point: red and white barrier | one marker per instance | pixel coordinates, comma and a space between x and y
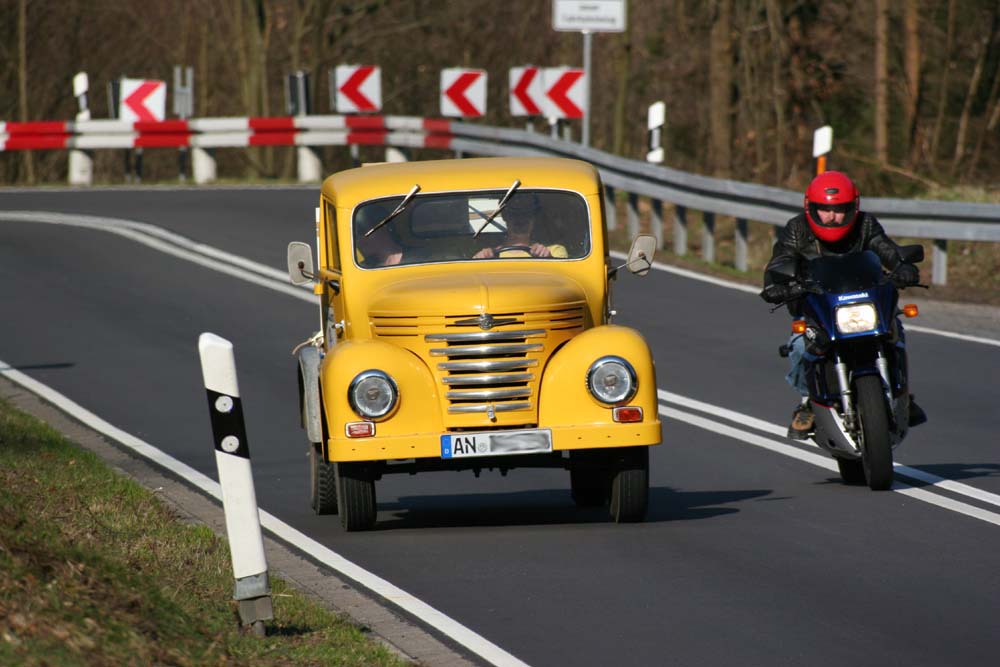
210, 133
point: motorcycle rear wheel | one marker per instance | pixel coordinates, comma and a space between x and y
876, 448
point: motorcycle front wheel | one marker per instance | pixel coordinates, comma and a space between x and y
876, 448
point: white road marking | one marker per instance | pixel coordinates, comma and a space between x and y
670, 399
436, 619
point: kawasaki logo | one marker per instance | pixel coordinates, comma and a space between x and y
851, 297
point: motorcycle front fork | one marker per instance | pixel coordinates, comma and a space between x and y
881, 363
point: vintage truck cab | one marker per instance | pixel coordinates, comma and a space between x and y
466, 325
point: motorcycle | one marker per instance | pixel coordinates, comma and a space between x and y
856, 359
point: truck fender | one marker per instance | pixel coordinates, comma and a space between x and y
309, 400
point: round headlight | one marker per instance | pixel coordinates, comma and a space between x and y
372, 394
611, 380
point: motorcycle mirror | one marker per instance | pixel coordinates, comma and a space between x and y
300, 263
783, 271
911, 254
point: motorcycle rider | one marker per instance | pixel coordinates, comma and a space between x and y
831, 224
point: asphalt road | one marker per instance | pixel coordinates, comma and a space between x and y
748, 556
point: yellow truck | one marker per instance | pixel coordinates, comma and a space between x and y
466, 325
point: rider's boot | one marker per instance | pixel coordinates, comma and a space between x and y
917, 414
802, 421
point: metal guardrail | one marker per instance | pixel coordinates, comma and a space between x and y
928, 219
937, 220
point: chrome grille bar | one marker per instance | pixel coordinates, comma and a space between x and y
485, 335
488, 366
488, 394
486, 407
485, 350
505, 378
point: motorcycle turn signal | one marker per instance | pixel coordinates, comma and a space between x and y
911, 310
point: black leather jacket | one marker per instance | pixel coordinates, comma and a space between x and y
796, 241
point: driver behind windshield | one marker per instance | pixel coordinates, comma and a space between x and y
831, 224
521, 214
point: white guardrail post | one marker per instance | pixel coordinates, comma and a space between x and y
239, 500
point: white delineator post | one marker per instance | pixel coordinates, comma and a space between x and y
81, 163
239, 500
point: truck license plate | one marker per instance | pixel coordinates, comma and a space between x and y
460, 445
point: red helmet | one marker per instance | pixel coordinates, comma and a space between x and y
836, 191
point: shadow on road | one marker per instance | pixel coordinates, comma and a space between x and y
956, 471
38, 367
546, 507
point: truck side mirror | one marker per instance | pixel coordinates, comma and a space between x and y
300, 263
640, 256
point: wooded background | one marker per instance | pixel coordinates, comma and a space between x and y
911, 87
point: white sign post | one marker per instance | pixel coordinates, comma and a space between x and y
81, 164
588, 17
822, 143
656, 118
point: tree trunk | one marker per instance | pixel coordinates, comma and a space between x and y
22, 82
882, 81
911, 29
720, 75
963, 120
991, 102
779, 48
943, 92
621, 97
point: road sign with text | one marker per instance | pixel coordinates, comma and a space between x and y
589, 15
142, 100
359, 88
463, 92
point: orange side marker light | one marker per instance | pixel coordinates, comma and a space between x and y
911, 310
799, 326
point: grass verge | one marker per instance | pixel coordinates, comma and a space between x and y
95, 570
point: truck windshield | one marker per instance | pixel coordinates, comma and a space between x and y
533, 225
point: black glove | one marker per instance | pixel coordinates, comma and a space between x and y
905, 275
779, 293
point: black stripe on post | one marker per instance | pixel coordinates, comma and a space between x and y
228, 428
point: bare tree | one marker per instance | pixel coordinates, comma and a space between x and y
882, 81
911, 30
943, 86
720, 80
22, 80
779, 46
981, 49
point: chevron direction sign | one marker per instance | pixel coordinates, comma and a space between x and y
142, 100
463, 92
359, 88
526, 96
565, 92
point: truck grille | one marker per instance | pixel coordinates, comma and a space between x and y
488, 377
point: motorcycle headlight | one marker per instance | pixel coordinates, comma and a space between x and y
611, 380
856, 318
372, 394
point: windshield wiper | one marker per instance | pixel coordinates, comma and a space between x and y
503, 202
399, 209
